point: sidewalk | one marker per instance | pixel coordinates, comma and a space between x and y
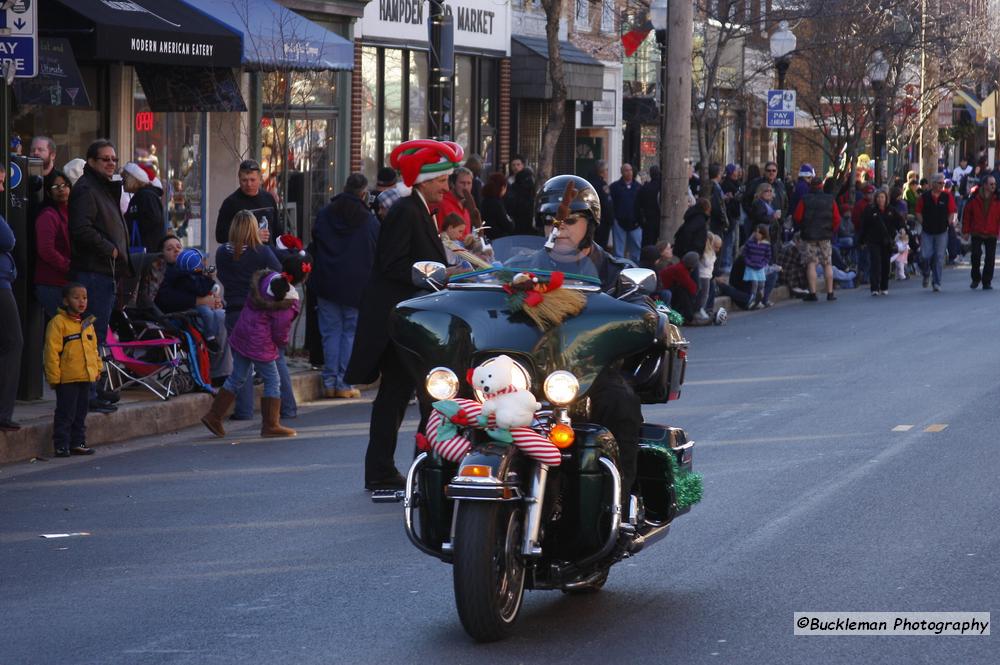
140, 413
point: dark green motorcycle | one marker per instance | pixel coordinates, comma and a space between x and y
505, 520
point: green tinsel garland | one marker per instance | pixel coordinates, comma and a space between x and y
687, 484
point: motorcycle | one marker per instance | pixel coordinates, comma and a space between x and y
506, 521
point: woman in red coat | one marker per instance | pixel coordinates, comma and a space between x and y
52, 242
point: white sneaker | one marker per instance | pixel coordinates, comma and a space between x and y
721, 316
701, 315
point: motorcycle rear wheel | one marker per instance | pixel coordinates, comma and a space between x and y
488, 569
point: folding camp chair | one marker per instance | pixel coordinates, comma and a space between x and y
152, 363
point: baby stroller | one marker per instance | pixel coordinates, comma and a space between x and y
142, 328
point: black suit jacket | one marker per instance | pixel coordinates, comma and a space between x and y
408, 234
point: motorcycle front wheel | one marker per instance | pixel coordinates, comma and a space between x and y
488, 568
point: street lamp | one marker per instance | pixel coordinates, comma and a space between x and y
878, 71
658, 17
782, 46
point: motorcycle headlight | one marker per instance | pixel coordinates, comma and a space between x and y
442, 383
561, 387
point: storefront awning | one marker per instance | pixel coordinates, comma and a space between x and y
276, 38
190, 89
584, 74
58, 83
164, 32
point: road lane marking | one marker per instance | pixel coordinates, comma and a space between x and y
936, 427
756, 379
902, 428
783, 439
195, 474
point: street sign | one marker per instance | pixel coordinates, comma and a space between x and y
781, 109
19, 37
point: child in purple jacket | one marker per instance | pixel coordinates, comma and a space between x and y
757, 254
263, 328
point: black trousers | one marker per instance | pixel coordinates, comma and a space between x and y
11, 345
986, 277
879, 256
69, 427
615, 405
395, 391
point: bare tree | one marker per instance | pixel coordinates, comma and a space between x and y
557, 104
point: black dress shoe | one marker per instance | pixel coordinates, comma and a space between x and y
396, 482
63, 452
987, 287
82, 449
109, 396
9, 426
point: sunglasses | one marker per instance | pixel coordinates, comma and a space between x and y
770, 170
59, 187
108, 159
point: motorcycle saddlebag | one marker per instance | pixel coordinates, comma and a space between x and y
662, 449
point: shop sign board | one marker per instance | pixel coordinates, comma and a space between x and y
19, 37
479, 26
781, 109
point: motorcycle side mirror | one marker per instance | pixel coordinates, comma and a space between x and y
429, 274
641, 280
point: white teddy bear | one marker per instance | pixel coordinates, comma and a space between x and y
510, 406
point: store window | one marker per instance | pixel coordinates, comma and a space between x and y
173, 145
464, 82
298, 143
394, 104
72, 128
418, 95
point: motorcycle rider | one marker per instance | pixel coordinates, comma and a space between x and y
614, 403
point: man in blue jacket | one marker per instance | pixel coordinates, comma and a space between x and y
343, 249
626, 231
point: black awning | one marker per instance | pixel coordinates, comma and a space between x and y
58, 83
190, 89
165, 32
583, 73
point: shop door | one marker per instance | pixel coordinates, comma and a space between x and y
302, 181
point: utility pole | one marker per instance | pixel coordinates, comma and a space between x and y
676, 140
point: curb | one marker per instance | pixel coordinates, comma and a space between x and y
135, 419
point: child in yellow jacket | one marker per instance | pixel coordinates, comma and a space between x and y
72, 364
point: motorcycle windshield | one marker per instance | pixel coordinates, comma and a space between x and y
472, 319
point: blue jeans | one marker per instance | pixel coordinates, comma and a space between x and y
242, 367
933, 249
50, 298
210, 320
728, 252
100, 300
244, 397
627, 243
337, 324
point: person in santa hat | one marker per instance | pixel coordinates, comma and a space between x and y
408, 234
144, 216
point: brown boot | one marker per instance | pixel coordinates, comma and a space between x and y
270, 409
220, 405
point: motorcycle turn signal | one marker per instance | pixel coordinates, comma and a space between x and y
562, 436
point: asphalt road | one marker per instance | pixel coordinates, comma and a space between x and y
243, 550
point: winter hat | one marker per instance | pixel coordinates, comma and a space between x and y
290, 243
189, 260
149, 170
730, 169
137, 172
386, 177
690, 260
74, 169
425, 159
806, 171
868, 189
